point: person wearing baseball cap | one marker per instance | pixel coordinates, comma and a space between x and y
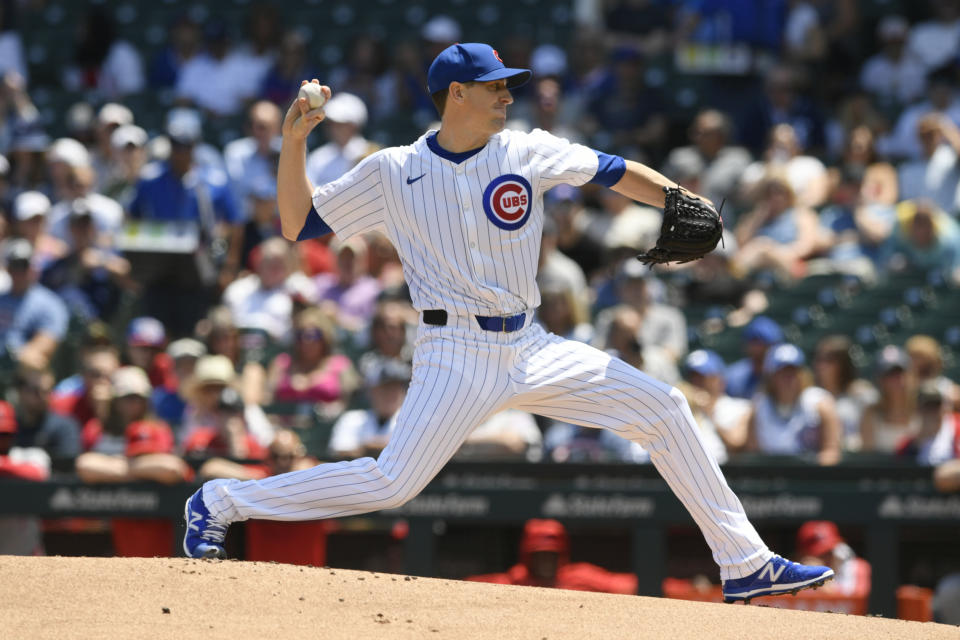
744, 376
545, 562
892, 416
790, 416
366, 431
819, 541
346, 117
722, 419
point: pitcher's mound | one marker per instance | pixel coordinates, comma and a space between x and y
161, 598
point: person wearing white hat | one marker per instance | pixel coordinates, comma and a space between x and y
129, 144
346, 117
107, 214
64, 154
110, 117
31, 210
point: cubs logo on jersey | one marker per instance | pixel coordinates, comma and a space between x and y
507, 201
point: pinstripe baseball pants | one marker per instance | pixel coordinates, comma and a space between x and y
461, 376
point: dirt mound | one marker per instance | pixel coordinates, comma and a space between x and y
162, 598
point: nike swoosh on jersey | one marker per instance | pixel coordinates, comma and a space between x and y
412, 180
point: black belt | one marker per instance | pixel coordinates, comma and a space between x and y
438, 317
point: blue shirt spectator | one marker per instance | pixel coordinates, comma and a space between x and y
744, 376
30, 315
163, 194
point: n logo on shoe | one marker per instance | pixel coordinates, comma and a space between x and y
774, 573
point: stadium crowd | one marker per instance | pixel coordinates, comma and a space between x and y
154, 324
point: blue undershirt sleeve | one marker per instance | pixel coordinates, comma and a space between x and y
313, 226
609, 170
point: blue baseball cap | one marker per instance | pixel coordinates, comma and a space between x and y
472, 62
764, 329
706, 362
783, 355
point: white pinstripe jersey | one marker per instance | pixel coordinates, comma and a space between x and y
468, 234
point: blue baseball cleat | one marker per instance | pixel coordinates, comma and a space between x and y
204, 536
777, 577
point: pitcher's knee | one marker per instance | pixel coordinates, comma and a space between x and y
397, 494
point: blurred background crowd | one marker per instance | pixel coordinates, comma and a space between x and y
151, 313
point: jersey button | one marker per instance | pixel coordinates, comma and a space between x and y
460, 170
473, 245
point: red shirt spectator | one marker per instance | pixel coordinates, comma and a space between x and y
545, 562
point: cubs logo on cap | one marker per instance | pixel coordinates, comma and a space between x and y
507, 201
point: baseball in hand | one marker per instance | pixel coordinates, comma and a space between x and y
313, 94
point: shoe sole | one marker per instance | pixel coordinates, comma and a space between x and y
792, 589
213, 554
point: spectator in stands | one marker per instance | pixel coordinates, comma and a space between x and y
33, 320
941, 97
214, 422
926, 364
946, 600
783, 103
578, 236
894, 74
88, 278
312, 372
861, 212
5, 208
509, 434
145, 341
778, 234
722, 419
86, 396
30, 211
106, 213
286, 453
892, 416
346, 116
622, 112
12, 56
110, 117
40, 427
363, 73
549, 108
20, 535
923, 238
390, 330
262, 30
64, 155
101, 61
182, 45
221, 337
566, 442
253, 159
133, 446
263, 300
935, 42
563, 314
936, 174
281, 82
365, 432
791, 417
184, 353
129, 403
806, 174
352, 289
22, 137
661, 324
834, 371
545, 562
176, 190
711, 156
221, 78
623, 334
820, 541
936, 438
129, 157
558, 271
744, 376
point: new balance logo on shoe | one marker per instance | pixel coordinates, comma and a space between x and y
772, 571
